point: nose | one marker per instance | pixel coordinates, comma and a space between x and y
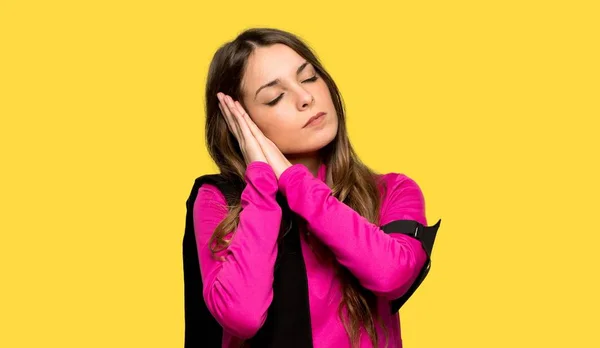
306, 100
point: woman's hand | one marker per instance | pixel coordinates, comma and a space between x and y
251, 150
254, 144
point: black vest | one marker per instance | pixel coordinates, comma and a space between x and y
288, 319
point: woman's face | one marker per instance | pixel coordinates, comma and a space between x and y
280, 93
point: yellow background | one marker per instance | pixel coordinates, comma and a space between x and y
491, 107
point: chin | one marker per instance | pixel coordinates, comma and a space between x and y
312, 143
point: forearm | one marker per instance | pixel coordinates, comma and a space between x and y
238, 286
385, 264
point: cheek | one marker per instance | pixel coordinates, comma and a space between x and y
282, 131
263, 118
324, 90
275, 125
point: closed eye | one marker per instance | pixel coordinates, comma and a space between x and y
276, 100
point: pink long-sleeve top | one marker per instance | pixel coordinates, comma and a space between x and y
238, 289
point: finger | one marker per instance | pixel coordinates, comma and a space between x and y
268, 147
227, 120
258, 134
234, 123
227, 104
240, 118
226, 114
231, 123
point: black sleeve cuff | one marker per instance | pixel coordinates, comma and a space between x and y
426, 235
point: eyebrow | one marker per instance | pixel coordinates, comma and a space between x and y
276, 81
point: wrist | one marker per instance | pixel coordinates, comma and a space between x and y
259, 168
281, 170
287, 177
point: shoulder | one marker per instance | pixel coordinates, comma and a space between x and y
210, 191
209, 200
402, 198
398, 183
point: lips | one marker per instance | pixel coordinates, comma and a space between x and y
313, 118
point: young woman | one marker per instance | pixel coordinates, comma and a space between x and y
275, 122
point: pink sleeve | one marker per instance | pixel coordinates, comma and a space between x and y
386, 264
238, 290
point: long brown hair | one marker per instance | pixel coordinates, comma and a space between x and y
352, 181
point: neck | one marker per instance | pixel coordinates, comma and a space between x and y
311, 161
